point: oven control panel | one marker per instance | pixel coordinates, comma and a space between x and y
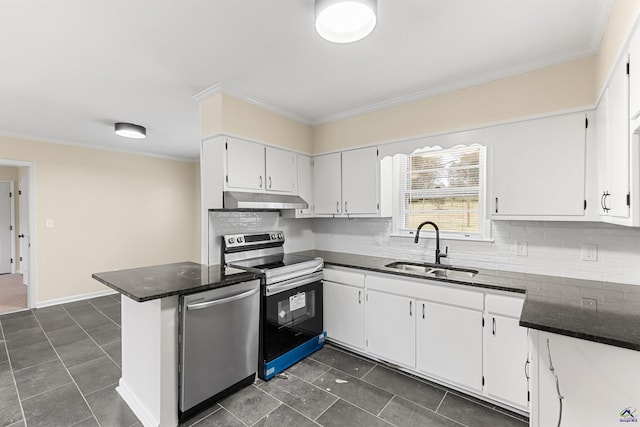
252, 239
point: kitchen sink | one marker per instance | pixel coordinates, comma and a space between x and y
433, 270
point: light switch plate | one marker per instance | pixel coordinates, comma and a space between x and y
49, 223
521, 248
589, 252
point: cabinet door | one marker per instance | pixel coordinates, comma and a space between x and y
327, 178
618, 143
391, 328
634, 77
360, 172
602, 135
344, 314
305, 183
505, 355
245, 165
538, 166
449, 341
281, 170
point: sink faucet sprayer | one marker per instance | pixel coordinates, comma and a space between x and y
438, 254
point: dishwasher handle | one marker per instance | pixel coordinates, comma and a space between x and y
212, 303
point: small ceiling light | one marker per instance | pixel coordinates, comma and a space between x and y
345, 21
129, 130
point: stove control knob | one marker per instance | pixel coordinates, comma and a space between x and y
280, 236
240, 239
273, 237
231, 240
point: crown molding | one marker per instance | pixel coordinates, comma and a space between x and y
220, 88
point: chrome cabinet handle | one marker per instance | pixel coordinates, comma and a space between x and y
423, 310
494, 327
410, 308
269, 182
496, 205
345, 206
260, 181
526, 369
338, 207
359, 297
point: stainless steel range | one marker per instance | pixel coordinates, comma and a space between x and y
291, 324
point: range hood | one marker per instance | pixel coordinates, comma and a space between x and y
241, 200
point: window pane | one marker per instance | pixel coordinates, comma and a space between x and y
459, 214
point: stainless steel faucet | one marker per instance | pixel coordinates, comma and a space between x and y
438, 254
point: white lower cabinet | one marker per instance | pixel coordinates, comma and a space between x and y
449, 343
391, 328
344, 314
505, 364
464, 337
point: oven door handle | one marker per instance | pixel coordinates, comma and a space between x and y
219, 301
293, 283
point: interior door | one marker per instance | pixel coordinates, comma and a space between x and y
24, 232
5, 227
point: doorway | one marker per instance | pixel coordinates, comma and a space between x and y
17, 284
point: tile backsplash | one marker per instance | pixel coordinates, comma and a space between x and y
553, 248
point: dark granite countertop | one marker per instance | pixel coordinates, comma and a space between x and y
603, 312
159, 281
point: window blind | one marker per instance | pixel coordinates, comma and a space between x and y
442, 186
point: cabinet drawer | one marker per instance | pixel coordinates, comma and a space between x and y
344, 275
504, 305
445, 293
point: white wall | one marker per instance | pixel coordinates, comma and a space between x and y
554, 248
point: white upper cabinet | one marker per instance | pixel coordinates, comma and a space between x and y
253, 167
245, 165
634, 77
538, 168
615, 194
360, 181
347, 183
327, 184
281, 171
305, 183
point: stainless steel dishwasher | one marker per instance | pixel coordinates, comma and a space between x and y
218, 344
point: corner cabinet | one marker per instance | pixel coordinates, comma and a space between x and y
347, 183
538, 168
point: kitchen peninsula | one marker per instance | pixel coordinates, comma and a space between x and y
149, 382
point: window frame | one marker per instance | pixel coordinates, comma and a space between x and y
397, 213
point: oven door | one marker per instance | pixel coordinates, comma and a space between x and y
292, 314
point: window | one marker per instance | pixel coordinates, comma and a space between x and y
443, 186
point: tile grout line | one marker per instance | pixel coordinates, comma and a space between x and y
90, 337
15, 384
66, 368
441, 401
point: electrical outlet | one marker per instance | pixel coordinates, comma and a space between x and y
521, 248
589, 252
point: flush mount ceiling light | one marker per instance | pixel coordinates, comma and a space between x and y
345, 21
129, 130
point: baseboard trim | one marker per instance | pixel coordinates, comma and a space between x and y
74, 298
138, 408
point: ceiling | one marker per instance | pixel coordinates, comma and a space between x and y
70, 69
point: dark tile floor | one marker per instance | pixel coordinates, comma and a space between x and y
59, 366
